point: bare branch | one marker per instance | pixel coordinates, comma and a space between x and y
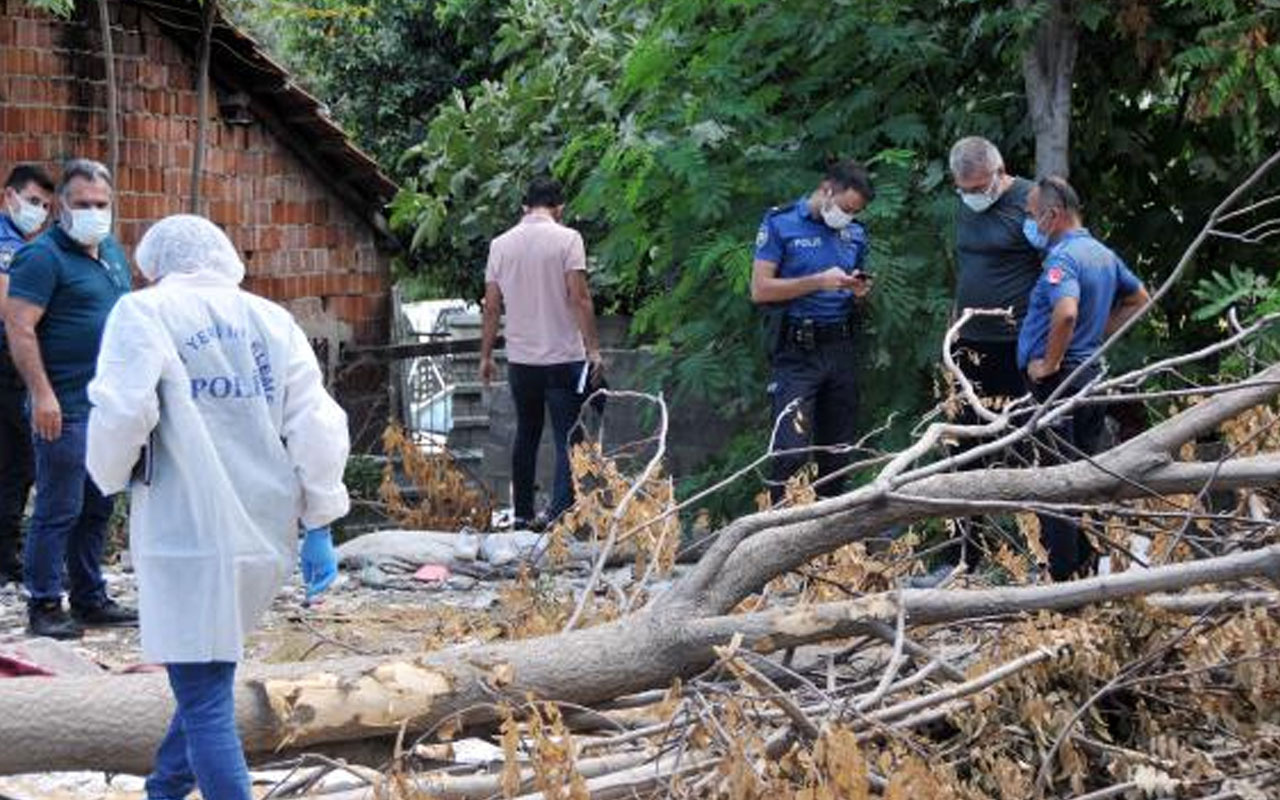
948, 359
620, 511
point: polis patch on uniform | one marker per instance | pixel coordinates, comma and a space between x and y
1055, 275
762, 238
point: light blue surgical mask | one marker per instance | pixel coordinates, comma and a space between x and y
1037, 239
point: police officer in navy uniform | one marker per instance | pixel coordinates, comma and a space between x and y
810, 274
1084, 293
28, 191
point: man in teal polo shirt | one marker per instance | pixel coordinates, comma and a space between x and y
62, 286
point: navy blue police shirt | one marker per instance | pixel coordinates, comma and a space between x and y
77, 292
11, 241
801, 245
1082, 267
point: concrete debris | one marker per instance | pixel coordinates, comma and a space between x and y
20, 656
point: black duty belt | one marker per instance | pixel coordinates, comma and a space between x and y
808, 332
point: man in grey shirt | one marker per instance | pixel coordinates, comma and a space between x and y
998, 259
997, 263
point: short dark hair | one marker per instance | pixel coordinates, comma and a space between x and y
1055, 192
544, 192
24, 174
849, 174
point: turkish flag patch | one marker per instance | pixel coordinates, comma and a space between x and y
1055, 275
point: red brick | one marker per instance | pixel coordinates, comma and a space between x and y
271, 239
371, 306
26, 33
297, 238
344, 307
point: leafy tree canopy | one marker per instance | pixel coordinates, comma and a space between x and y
675, 125
383, 66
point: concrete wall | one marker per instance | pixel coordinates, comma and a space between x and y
485, 421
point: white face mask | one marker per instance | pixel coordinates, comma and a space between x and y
981, 201
978, 201
88, 226
835, 216
29, 217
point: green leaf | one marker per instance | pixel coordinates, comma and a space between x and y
63, 8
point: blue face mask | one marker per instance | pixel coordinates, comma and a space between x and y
1037, 239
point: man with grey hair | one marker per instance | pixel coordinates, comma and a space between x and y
62, 286
997, 262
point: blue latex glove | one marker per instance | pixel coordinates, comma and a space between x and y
319, 561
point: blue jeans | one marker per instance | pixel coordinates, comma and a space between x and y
537, 389
202, 746
68, 524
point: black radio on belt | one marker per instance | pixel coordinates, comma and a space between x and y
807, 334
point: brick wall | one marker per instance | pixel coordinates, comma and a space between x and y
302, 246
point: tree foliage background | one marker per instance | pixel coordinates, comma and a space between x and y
382, 66
674, 125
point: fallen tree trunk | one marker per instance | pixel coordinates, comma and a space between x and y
114, 723
314, 703
489, 784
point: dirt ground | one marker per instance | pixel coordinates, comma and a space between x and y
349, 618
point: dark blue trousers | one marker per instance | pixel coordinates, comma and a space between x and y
1084, 430
823, 379
538, 389
16, 467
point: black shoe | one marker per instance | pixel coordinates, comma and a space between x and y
48, 619
108, 615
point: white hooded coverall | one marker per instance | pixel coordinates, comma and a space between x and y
209, 405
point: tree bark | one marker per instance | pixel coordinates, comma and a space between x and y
752, 550
1048, 67
208, 16
114, 723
